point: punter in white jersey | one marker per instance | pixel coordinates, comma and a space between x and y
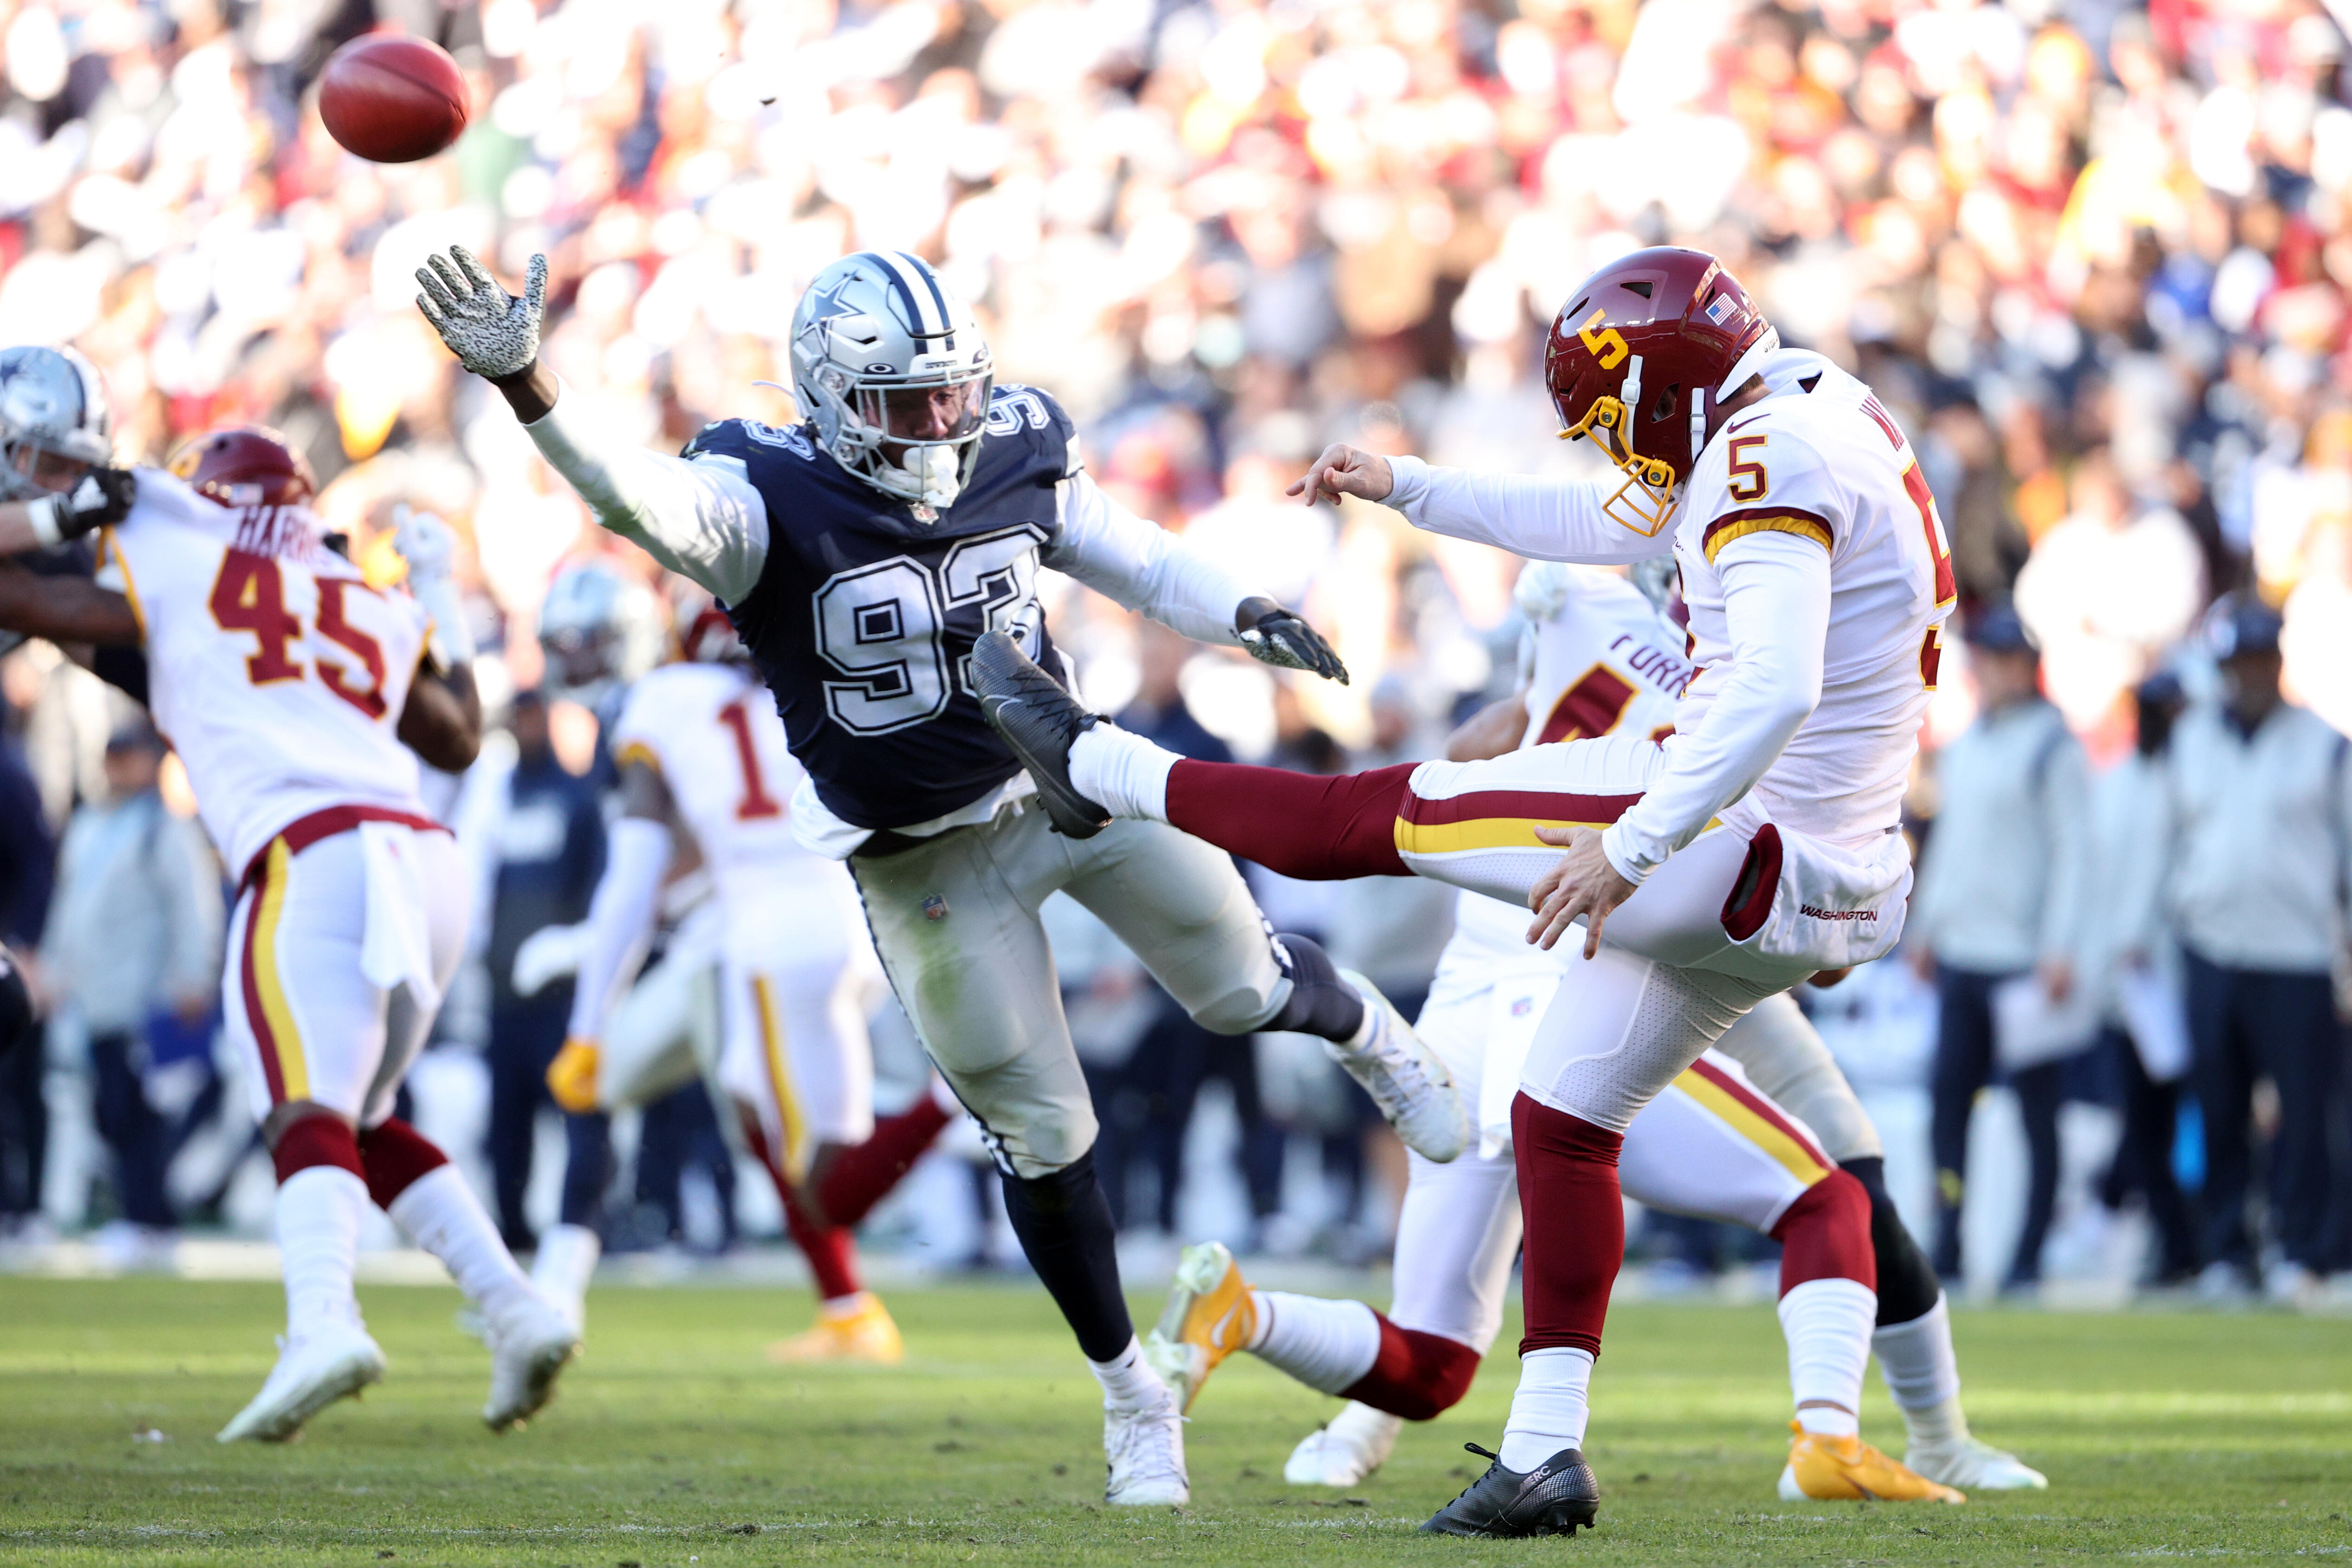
1760, 844
1739, 1137
704, 769
300, 700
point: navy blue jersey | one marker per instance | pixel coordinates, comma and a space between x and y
863, 620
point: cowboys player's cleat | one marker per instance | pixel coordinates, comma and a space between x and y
860, 1332
1209, 1316
1973, 1464
329, 1363
1559, 1497
530, 1342
1404, 1078
1038, 721
1850, 1469
1144, 1451
1357, 1443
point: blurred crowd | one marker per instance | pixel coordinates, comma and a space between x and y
2094, 258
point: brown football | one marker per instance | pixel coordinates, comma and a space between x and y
391, 99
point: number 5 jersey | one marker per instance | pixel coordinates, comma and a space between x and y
275, 671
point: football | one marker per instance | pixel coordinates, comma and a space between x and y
391, 99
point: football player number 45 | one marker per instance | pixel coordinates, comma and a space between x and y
249, 595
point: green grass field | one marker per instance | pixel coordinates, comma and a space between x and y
674, 1443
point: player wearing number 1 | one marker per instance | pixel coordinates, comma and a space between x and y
862, 557
299, 700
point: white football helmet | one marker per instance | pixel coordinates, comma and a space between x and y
599, 630
892, 370
53, 423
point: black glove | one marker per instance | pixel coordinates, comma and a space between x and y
1274, 635
103, 497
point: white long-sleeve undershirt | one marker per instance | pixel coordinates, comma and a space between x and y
704, 519
620, 920
1542, 518
1776, 590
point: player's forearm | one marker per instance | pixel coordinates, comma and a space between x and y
693, 518
65, 609
1543, 519
620, 920
442, 719
1142, 566
1776, 600
1494, 730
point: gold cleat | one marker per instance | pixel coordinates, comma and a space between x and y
863, 1333
1847, 1469
1209, 1316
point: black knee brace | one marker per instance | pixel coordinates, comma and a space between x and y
1907, 1287
1320, 1002
1064, 1225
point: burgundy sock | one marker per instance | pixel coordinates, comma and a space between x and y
395, 1155
318, 1140
831, 1255
1576, 1225
1418, 1375
856, 1178
1314, 826
1825, 1235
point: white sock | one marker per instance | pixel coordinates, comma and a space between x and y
1551, 1408
1128, 1381
1827, 1324
1326, 1345
440, 1212
319, 1208
1127, 773
1924, 1376
566, 1262
849, 1306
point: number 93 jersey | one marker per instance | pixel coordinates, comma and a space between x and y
275, 671
866, 611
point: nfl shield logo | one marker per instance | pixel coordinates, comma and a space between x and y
935, 908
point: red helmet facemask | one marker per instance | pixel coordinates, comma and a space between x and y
1641, 359
248, 465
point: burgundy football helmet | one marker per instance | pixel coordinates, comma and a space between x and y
249, 465
1641, 360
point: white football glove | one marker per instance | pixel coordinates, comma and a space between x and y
491, 333
1541, 590
547, 955
429, 545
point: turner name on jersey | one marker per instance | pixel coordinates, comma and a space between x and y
864, 615
278, 674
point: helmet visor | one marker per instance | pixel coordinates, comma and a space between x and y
46, 468
946, 411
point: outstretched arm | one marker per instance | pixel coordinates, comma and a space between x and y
1543, 519
66, 609
1144, 567
620, 923
702, 520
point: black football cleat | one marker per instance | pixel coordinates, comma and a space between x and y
1038, 719
1559, 1497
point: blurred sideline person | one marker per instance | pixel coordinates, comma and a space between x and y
301, 701
704, 772
2261, 797
2001, 896
27, 871
134, 933
1598, 657
862, 557
1759, 844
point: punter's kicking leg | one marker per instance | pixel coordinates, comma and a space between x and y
328, 1036
1784, 1057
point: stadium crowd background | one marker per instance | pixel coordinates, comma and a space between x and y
2093, 257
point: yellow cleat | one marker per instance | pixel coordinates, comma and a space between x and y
572, 1076
1850, 1469
1209, 1315
861, 1331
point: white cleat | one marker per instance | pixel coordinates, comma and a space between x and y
530, 1343
1357, 1442
1974, 1466
1145, 1450
1405, 1080
313, 1372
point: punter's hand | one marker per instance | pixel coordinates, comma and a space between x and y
1274, 635
102, 499
1343, 470
1583, 885
492, 334
572, 1076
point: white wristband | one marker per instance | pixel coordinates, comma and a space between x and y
452, 636
42, 514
